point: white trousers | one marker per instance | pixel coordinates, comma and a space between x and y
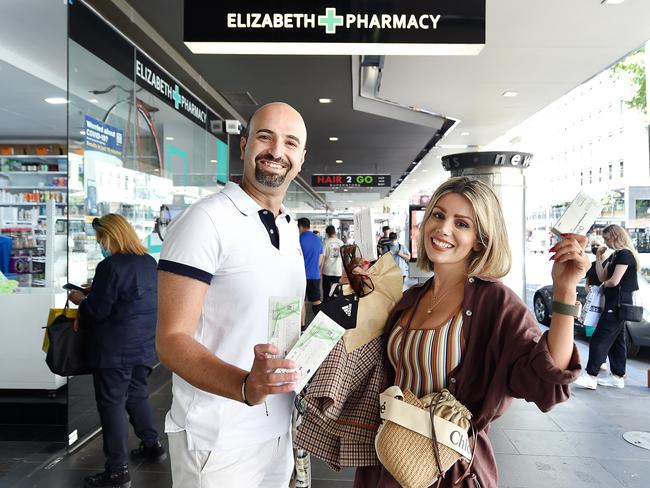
266, 465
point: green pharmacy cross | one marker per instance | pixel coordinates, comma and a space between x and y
330, 20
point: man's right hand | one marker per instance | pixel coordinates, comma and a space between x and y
263, 381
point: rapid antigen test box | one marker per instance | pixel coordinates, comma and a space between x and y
579, 216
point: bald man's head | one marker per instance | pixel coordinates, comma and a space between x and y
273, 148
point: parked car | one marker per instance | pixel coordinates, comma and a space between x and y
637, 334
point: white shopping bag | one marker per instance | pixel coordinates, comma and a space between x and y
593, 308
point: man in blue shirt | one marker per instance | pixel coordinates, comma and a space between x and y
312, 253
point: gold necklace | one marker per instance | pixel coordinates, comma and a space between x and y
435, 300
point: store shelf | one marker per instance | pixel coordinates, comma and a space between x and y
33, 156
34, 173
35, 204
75, 218
49, 188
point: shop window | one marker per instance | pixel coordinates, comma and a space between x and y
642, 209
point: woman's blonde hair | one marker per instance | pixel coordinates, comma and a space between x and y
117, 236
493, 259
620, 239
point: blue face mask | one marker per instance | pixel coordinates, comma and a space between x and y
104, 251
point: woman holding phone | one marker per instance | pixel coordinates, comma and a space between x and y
120, 313
618, 274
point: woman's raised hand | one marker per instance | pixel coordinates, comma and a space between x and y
570, 261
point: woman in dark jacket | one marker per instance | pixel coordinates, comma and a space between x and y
120, 312
465, 331
619, 276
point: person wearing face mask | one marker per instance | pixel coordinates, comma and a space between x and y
618, 274
465, 331
120, 314
597, 244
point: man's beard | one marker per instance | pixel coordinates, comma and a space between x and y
270, 180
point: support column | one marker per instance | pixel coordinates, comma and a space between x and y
504, 172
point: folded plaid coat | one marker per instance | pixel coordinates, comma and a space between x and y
341, 406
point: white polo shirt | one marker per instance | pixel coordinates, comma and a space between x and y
222, 241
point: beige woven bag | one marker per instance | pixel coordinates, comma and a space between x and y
420, 439
405, 442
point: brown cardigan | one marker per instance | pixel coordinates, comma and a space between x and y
506, 356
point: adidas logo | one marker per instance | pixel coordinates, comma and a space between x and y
347, 309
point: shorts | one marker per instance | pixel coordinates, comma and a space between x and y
312, 292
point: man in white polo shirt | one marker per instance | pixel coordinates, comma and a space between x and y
229, 423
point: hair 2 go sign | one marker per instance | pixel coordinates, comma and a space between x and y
349, 181
346, 27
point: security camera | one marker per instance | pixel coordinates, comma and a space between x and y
232, 126
225, 126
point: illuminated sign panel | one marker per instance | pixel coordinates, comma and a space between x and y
349, 181
168, 90
337, 27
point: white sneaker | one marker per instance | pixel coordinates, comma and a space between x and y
612, 380
587, 381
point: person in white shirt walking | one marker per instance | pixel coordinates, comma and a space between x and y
332, 267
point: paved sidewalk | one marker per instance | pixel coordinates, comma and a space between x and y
577, 444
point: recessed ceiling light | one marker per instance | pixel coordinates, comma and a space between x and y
213, 160
56, 100
509, 94
324, 100
425, 170
82, 132
338, 161
93, 100
345, 189
169, 138
464, 133
414, 162
334, 139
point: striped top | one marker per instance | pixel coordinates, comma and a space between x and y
429, 355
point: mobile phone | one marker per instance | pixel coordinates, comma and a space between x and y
71, 287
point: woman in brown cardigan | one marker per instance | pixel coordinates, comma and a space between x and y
469, 333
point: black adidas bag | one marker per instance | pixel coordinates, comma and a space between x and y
342, 309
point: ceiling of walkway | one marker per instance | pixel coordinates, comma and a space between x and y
539, 48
